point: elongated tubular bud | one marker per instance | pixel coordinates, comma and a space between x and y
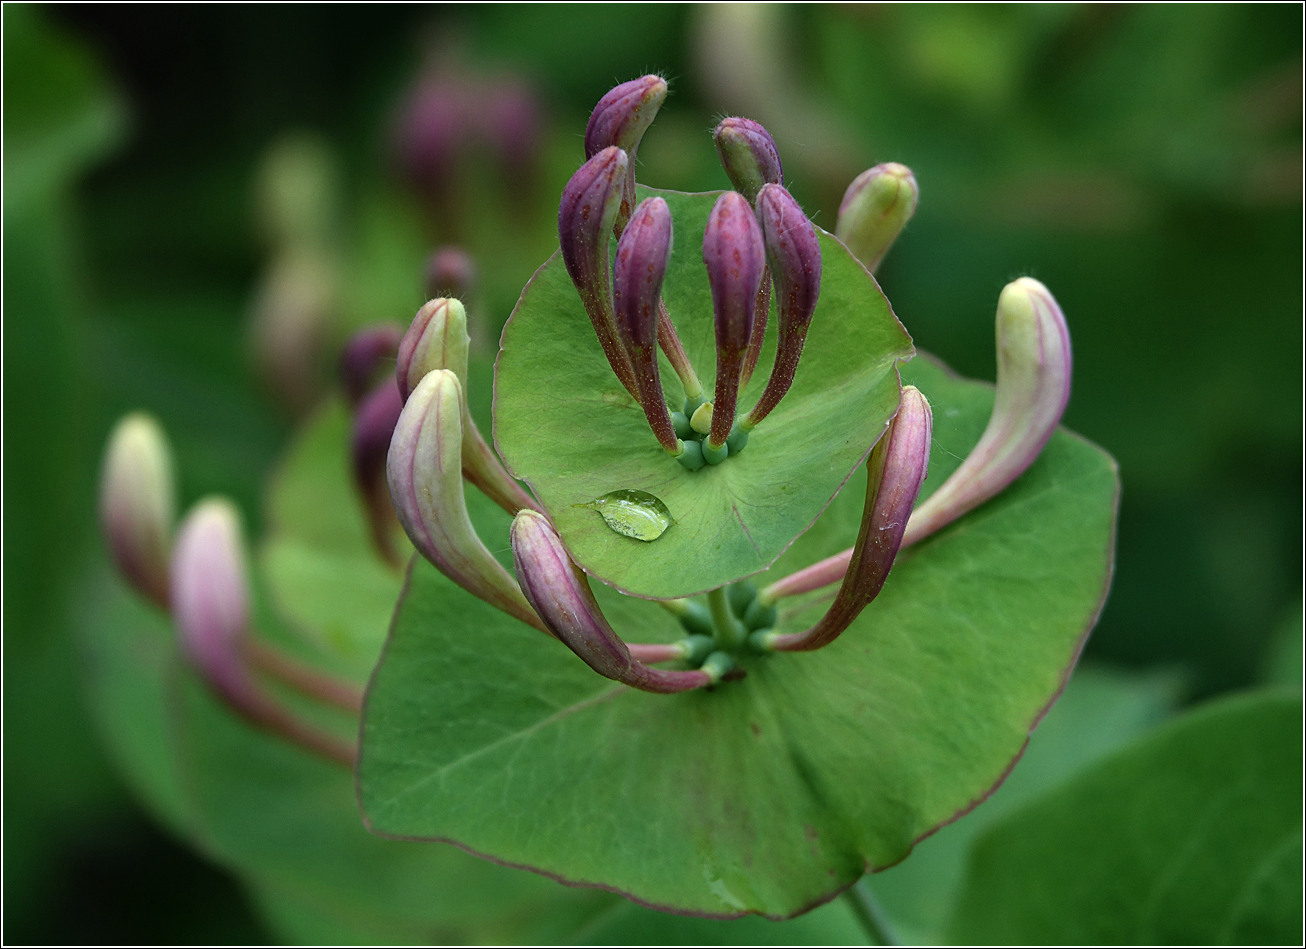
793, 255
373, 426
364, 354
640, 266
895, 471
450, 272
210, 605
424, 470
749, 156
875, 209
437, 339
761, 313
1034, 368
669, 340
561, 594
621, 118
734, 255
586, 215
138, 503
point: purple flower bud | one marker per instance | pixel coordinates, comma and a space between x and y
437, 339
433, 127
734, 256
621, 118
363, 354
211, 607
424, 470
749, 156
512, 119
450, 272
895, 471
374, 424
793, 256
210, 599
1034, 366
137, 502
641, 264
560, 593
875, 209
589, 207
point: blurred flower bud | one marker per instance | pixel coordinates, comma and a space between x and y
364, 354
875, 209
297, 191
560, 593
137, 503
749, 156
424, 470
450, 272
1034, 366
734, 255
374, 424
290, 322
437, 339
793, 255
621, 118
589, 207
210, 599
641, 263
433, 128
512, 119
895, 471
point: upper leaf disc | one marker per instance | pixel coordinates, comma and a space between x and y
564, 424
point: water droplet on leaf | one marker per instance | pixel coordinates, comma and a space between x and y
632, 513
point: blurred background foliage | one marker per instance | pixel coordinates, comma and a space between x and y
1143, 161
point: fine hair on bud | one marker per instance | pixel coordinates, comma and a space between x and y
748, 155
450, 272
621, 118
734, 256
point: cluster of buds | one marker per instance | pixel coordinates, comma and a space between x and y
200, 578
757, 237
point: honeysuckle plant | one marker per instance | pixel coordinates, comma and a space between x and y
718, 608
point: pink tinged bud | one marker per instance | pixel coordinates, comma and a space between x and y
513, 122
364, 354
875, 209
374, 424
641, 264
621, 118
734, 255
211, 607
749, 156
560, 593
450, 272
433, 128
589, 207
1034, 367
137, 503
210, 600
895, 471
793, 255
424, 470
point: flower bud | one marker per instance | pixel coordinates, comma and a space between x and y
875, 209
433, 128
137, 503
621, 118
290, 321
560, 593
895, 471
450, 272
373, 426
424, 470
437, 339
363, 355
793, 255
641, 263
589, 207
210, 599
749, 156
734, 256
513, 123
1034, 366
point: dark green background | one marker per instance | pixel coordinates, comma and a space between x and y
1144, 162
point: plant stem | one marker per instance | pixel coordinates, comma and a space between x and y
871, 914
729, 631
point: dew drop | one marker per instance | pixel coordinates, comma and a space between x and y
632, 513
